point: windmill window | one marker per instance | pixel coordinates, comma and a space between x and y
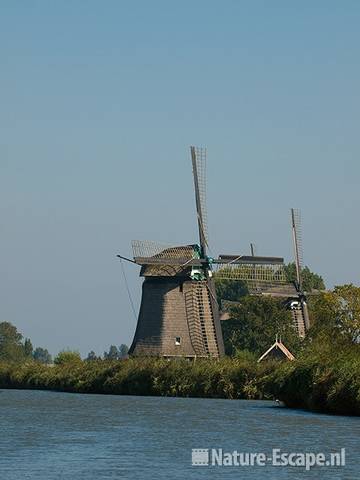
177, 341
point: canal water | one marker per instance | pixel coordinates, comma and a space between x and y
50, 435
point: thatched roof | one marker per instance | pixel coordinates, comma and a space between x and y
185, 252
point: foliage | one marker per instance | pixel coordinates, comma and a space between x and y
92, 356
28, 348
11, 348
232, 290
123, 351
245, 356
336, 313
348, 298
325, 377
67, 357
254, 324
310, 280
115, 353
42, 355
318, 379
255, 321
112, 354
227, 378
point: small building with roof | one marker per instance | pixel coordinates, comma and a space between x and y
277, 351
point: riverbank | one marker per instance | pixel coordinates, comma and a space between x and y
329, 382
227, 378
317, 384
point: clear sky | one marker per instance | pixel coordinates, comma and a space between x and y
99, 102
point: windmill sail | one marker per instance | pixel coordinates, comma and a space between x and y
300, 313
159, 253
257, 272
198, 159
297, 240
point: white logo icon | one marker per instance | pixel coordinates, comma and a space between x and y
200, 456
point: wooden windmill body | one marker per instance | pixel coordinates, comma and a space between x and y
179, 314
177, 318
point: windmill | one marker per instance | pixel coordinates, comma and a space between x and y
293, 291
179, 313
298, 306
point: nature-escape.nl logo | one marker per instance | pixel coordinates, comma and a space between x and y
277, 458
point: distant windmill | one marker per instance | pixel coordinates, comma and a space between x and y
299, 307
293, 292
179, 314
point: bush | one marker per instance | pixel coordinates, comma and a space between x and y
66, 357
317, 380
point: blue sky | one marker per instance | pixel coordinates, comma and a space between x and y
99, 104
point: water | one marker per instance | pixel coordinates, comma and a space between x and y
49, 435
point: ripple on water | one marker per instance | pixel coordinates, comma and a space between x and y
50, 435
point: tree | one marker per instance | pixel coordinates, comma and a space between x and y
349, 311
230, 290
310, 280
28, 348
11, 348
123, 351
323, 310
254, 324
337, 313
112, 354
41, 355
92, 356
67, 356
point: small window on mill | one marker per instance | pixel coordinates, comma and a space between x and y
177, 341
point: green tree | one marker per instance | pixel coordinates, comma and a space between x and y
323, 310
254, 324
123, 351
28, 348
336, 314
112, 354
42, 355
349, 310
66, 357
230, 290
11, 348
310, 280
92, 356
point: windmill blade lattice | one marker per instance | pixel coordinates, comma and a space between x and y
198, 156
299, 239
147, 248
255, 276
157, 251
